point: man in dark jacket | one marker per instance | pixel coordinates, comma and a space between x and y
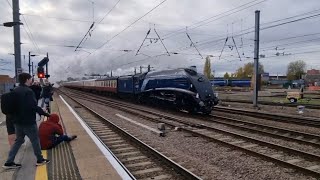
25, 122
46, 94
36, 88
51, 133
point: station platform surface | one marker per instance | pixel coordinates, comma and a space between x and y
79, 159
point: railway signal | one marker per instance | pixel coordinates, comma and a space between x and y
40, 71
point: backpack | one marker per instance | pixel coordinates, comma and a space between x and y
9, 103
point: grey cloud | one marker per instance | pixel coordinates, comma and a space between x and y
169, 17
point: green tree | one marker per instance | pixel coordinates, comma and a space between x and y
296, 69
226, 75
207, 68
247, 70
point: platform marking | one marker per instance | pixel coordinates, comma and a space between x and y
41, 171
141, 125
105, 151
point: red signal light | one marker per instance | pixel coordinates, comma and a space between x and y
40, 75
40, 72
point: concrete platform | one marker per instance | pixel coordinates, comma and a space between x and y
79, 159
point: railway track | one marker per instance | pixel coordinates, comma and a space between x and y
139, 159
302, 161
276, 132
306, 121
310, 106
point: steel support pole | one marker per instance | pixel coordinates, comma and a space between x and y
29, 64
47, 71
16, 37
32, 68
256, 58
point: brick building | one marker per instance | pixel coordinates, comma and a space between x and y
313, 72
6, 83
313, 77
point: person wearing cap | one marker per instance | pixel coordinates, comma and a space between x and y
51, 133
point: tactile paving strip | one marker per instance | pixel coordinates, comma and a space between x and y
63, 164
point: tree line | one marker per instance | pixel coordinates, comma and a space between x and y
295, 70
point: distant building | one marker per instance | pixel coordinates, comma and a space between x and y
312, 77
6, 83
278, 77
313, 72
265, 77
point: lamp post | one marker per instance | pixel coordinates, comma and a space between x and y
16, 35
11, 24
29, 64
32, 69
16, 24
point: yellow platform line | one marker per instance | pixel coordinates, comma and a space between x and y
41, 172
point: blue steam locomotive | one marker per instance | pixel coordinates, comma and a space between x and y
183, 88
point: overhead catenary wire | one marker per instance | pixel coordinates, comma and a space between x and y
128, 26
292, 43
58, 18
84, 36
234, 42
143, 41
161, 42
264, 28
124, 29
99, 22
9, 4
194, 45
292, 37
216, 17
250, 30
31, 35
292, 21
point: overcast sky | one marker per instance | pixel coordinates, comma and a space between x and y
53, 25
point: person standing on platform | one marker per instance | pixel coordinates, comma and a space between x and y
46, 93
10, 127
51, 133
36, 88
25, 122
